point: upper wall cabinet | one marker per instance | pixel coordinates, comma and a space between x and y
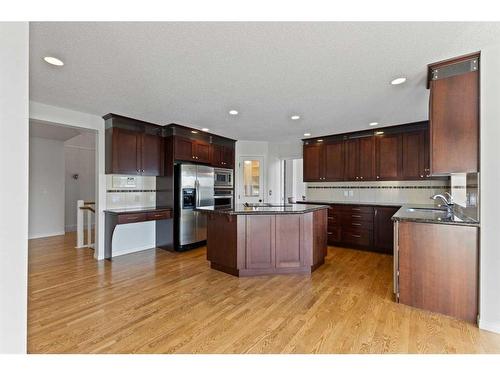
454, 115
222, 156
191, 150
133, 147
395, 153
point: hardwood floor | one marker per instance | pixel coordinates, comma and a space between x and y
161, 302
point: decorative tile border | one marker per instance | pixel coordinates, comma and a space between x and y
130, 191
380, 187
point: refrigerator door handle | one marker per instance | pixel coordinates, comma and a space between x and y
197, 189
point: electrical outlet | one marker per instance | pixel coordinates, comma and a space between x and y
346, 193
351, 193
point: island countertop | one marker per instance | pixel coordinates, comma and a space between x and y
264, 209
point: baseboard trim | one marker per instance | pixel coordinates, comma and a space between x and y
43, 235
489, 326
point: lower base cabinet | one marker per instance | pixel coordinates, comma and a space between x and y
361, 226
436, 268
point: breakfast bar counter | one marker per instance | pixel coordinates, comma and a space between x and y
266, 239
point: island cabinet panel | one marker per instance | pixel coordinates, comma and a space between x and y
222, 239
289, 248
313, 160
260, 241
334, 161
454, 116
388, 156
438, 268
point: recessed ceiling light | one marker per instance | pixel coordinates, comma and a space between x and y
205, 129
307, 134
295, 117
194, 131
373, 123
379, 133
398, 81
233, 112
53, 61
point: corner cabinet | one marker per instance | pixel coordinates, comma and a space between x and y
133, 152
454, 115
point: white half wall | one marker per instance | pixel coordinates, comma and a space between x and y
46, 188
63, 116
489, 307
14, 72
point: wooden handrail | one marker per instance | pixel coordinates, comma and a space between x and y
87, 208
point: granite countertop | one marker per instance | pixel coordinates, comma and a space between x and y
130, 210
240, 209
425, 214
388, 204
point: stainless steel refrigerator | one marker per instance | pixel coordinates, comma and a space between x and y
194, 187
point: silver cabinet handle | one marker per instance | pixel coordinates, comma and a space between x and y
355, 235
329, 232
356, 224
355, 215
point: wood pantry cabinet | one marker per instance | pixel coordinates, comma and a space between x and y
132, 152
454, 115
395, 153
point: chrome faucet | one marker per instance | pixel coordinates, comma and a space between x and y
448, 202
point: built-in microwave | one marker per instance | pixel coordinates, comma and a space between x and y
223, 177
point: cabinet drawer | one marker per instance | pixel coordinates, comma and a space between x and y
131, 218
357, 217
355, 209
159, 215
357, 237
357, 225
334, 234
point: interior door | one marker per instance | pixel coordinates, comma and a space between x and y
251, 179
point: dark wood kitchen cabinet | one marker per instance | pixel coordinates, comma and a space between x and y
383, 229
191, 150
313, 160
388, 156
334, 160
454, 115
359, 159
222, 156
133, 152
415, 158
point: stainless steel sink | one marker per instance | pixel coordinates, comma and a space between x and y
437, 210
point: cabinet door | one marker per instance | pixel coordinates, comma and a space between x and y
183, 149
217, 155
388, 156
151, 155
260, 241
334, 161
202, 151
288, 244
228, 157
126, 147
366, 158
384, 228
351, 159
454, 124
313, 162
413, 149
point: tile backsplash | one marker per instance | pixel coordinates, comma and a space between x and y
124, 191
465, 192
377, 191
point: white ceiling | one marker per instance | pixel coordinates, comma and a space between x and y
335, 75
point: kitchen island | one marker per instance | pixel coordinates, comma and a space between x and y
266, 239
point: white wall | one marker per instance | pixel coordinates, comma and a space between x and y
58, 115
79, 158
490, 183
14, 42
46, 188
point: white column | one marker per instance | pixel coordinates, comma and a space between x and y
79, 225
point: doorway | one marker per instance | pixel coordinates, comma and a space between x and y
251, 179
62, 172
292, 182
